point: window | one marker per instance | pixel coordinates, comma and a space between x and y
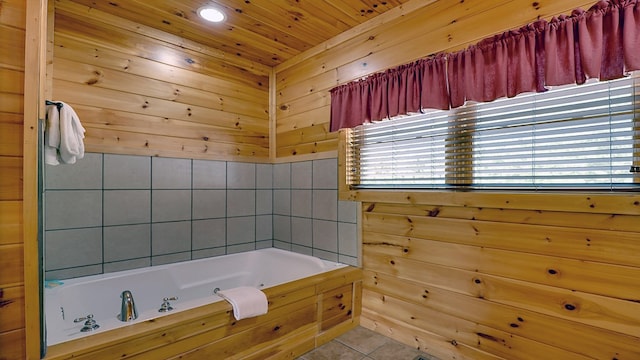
571, 137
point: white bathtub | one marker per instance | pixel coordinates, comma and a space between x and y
192, 282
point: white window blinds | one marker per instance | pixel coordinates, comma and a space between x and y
572, 137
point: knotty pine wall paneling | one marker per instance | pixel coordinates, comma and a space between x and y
473, 275
12, 300
402, 35
465, 276
142, 91
517, 282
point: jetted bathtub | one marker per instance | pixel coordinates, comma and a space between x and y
194, 284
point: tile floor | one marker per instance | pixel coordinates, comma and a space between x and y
364, 344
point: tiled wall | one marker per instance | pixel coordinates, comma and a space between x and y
114, 212
307, 217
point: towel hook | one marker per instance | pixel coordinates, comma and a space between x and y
59, 105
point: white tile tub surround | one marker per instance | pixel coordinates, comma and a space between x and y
325, 174
73, 209
126, 242
170, 205
325, 204
167, 173
264, 202
308, 217
85, 174
84, 243
302, 203
127, 172
122, 207
302, 175
209, 174
209, 204
116, 212
166, 234
208, 233
264, 176
241, 203
192, 282
282, 176
241, 176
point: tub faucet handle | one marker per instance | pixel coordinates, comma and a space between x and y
89, 324
80, 319
166, 306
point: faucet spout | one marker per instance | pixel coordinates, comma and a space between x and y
128, 310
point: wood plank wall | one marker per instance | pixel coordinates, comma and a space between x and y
473, 275
409, 32
12, 319
142, 91
139, 91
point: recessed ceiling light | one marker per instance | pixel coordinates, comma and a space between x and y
211, 14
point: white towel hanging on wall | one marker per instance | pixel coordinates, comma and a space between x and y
64, 135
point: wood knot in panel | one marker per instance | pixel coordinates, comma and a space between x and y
433, 212
490, 337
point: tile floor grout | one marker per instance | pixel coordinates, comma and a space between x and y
364, 344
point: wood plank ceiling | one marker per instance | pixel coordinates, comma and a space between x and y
263, 31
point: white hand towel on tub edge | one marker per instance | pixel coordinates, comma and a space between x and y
246, 301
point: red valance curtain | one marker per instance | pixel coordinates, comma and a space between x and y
504, 65
603, 43
402, 90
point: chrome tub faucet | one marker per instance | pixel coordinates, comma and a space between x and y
128, 310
